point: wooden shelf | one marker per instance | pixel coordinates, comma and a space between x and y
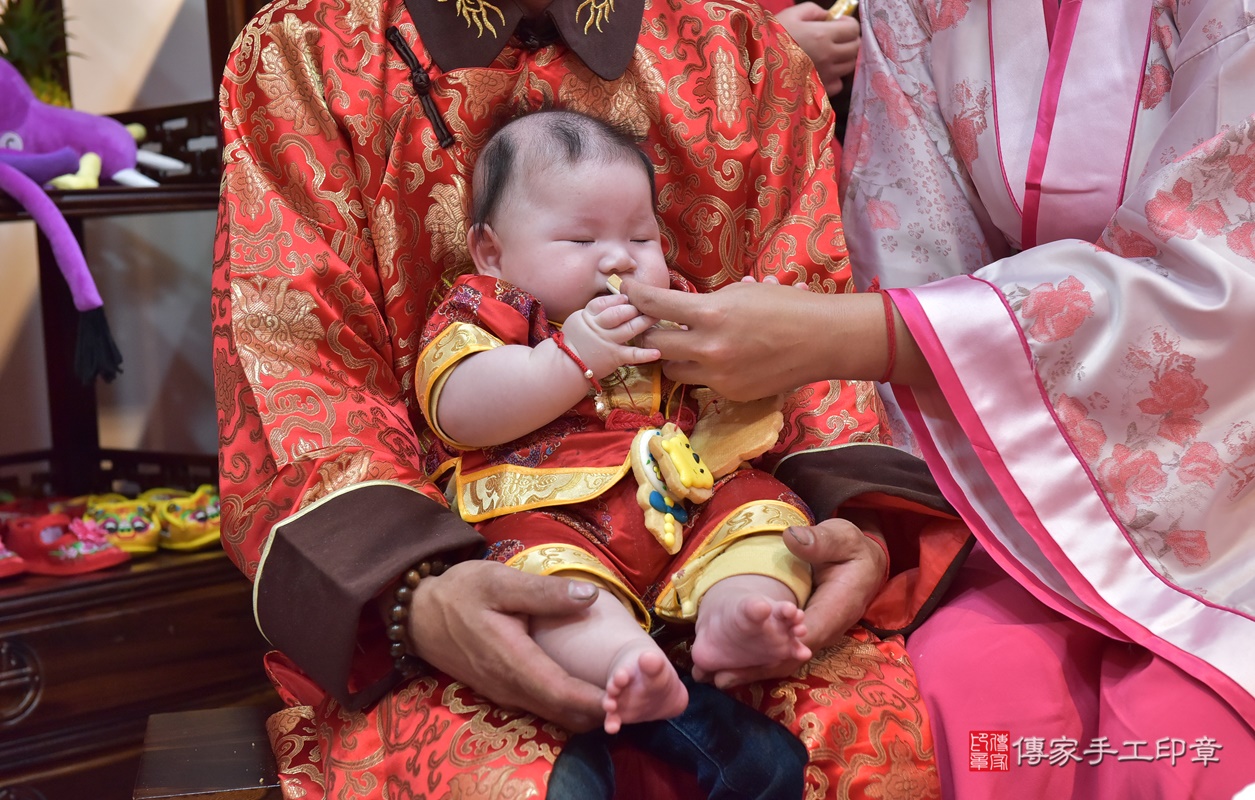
109, 201
85, 660
76, 459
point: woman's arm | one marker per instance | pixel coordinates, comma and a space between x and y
751, 340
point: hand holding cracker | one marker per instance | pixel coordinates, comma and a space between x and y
602, 335
615, 284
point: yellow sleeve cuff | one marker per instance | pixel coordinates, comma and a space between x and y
760, 554
572, 562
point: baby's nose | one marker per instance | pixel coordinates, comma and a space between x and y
617, 259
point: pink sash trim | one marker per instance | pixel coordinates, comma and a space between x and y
954, 492
1067, 519
1067, 173
1017, 75
1224, 686
1050, 9
958, 402
1060, 32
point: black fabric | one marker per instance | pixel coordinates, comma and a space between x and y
95, 352
825, 479
454, 43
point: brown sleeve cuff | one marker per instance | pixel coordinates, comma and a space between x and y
926, 540
314, 591
826, 479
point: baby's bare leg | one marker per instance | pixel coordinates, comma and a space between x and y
605, 646
748, 621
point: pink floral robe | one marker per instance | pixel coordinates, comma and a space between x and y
1094, 419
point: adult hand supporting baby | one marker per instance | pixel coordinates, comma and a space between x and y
849, 568
472, 623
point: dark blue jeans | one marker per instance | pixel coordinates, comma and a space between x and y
736, 752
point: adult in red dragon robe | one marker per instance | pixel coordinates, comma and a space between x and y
351, 129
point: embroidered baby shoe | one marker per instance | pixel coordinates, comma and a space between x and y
12, 508
192, 522
52, 544
130, 524
160, 495
77, 506
10, 562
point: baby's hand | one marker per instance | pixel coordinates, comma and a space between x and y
602, 331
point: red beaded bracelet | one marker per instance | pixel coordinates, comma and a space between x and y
560, 341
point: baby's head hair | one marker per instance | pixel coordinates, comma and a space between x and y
528, 145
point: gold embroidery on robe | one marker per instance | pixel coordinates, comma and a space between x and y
505, 488
478, 13
681, 596
277, 332
553, 559
598, 12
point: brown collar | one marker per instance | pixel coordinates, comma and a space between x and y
455, 43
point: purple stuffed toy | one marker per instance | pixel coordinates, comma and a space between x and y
21, 176
34, 127
40, 144
36, 147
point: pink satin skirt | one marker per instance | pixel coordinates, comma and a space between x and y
1027, 703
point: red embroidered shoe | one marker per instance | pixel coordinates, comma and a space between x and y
52, 544
10, 562
12, 508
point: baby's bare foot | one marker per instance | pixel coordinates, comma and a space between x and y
747, 630
643, 686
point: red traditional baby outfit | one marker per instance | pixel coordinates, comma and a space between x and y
563, 498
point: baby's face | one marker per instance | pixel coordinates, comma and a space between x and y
568, 230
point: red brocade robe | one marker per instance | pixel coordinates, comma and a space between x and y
342, 223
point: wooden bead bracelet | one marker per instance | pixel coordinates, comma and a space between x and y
406, 663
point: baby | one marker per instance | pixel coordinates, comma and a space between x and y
530, 372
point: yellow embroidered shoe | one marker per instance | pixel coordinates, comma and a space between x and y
155, 497
130, 524
192, 522
74, 507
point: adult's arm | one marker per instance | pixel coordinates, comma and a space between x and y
796, 236
324, 472
789, 337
